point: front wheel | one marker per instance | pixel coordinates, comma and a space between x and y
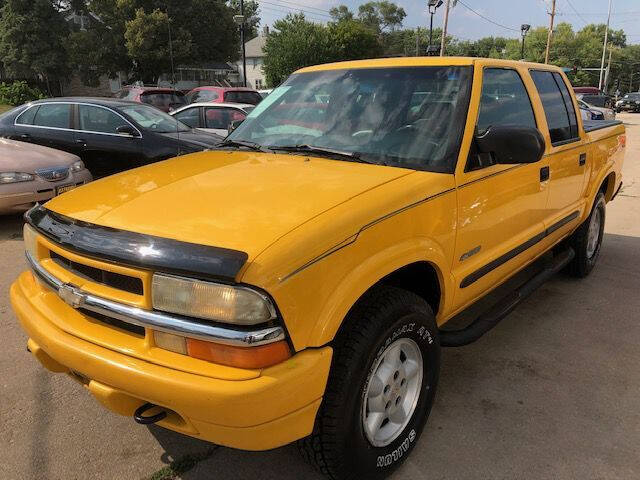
587, 240
380, 390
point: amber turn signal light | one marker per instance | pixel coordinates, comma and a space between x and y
242, 357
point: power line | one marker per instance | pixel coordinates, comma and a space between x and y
302, 5
291, 9
577, 13
487, 18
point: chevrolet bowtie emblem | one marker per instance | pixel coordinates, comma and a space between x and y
71, 295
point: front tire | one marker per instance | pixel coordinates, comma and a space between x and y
587, 240
380, 390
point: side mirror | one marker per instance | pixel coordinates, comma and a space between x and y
127, 130
233, 125
510, 144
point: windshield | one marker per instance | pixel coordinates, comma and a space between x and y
409, 117
632, 96
242, 96
153, 119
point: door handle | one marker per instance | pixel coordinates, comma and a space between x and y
544, 174
25, 136
80, 141
583, 159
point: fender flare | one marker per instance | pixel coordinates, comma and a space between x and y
367, 274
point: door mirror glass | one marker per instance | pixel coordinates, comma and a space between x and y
127, 130
511, 144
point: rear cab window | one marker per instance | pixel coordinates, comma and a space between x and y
558, 107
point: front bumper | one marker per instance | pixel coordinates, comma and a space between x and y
273, 409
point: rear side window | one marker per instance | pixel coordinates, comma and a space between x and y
558, 108
220, 118
504, 100
242, 96
26, 117
54, 115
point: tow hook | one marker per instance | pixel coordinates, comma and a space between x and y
139, 417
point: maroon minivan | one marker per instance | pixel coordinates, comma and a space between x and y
165, 99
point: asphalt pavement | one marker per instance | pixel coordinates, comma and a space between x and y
553, 392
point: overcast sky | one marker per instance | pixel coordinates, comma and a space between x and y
466, 24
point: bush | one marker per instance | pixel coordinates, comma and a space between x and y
18, 92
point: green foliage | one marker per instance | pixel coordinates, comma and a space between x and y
297, 42
32, 34
251, 13
17, 93
381, 16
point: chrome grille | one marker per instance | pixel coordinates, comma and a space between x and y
53, 174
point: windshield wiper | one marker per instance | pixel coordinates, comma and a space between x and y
329, 152
244, 143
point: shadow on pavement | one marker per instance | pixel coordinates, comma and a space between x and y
11, 227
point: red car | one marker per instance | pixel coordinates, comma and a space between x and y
224, 95
165, 99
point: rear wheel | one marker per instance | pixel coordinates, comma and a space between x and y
587, 240
381, 387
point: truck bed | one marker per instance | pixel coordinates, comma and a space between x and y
592, 125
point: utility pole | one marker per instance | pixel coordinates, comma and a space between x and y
606, 75
444, 28
417, 41
604, 47
550, 33
244, 51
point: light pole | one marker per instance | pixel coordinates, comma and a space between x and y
524, 28
240, 19
433, 6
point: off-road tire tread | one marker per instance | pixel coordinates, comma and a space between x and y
357, 333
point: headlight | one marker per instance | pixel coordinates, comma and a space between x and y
212, 301
14, 177
77, 166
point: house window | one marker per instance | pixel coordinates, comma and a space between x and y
258, 83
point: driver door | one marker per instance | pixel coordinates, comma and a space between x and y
501, 208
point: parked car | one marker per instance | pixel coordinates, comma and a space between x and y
109, 135
294, 283
630, 102
32, 173
589, 113
212, 117
587, 91
263, 93
224, 95
165, 99
599, 103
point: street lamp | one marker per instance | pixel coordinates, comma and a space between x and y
433, 6
524, 28
239, 20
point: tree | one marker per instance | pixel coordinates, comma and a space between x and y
381, 16
32, 36
147, 41
341, 13
297, 42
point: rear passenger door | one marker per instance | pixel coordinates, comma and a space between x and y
567, 151
501, 208
47, 124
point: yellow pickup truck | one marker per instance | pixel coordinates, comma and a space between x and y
293, 283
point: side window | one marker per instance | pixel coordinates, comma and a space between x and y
558, 108
504, 100
571, 111
55, 115
97, 119
220, 118
189, 116
26, 117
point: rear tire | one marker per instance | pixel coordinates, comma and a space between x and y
380, 390
587, 240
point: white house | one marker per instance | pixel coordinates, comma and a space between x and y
255, 55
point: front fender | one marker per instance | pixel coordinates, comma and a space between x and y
366, 274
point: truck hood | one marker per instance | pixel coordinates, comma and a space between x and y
238, 200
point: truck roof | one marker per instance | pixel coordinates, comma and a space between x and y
421, 62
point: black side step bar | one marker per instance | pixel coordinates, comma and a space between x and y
488, 320
139, 417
